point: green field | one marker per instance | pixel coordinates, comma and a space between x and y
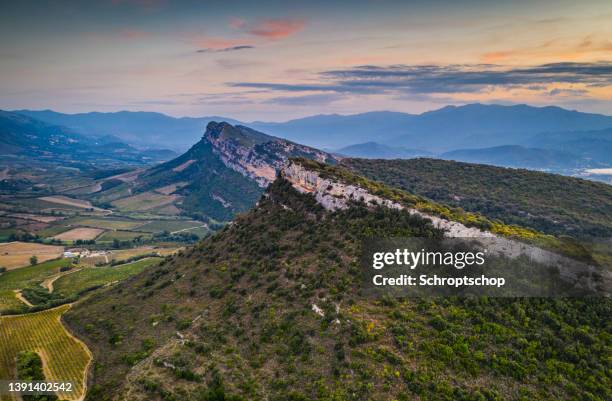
65, 358
38, 204
143, 201
25, 277
110, 236
53, 230
108, 224
169, 225
73, 283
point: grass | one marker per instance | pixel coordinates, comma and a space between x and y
169, 225
83, 233
25, 277
143, 201
65, 358
53, 230
109, 224
74, 283
110, 236
17, 254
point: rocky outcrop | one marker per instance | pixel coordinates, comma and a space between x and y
254, 154
333, 195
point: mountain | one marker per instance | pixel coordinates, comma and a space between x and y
145, 129
484, 126
27, 138
335, 131
374, 150
271, 308
594, 146
221, 175
517, 156
550, 203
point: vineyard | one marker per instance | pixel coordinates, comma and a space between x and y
72, 284
65, 358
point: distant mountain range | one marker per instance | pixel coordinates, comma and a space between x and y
35, 140
516, 156
374, 150
144, 129
543, 137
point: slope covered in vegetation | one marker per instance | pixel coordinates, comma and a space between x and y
546, 202
270, 308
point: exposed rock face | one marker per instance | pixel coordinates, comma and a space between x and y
254, 154
333, 195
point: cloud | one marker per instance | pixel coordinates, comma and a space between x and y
275, 29
225, 49
446, 79
210, 44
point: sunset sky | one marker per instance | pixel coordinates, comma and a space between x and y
266, 60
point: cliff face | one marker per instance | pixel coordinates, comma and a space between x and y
254, 154
334, 195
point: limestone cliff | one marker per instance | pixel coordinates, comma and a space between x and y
254, 154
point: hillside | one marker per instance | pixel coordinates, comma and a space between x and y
221, 175
269, 308
518, 156
550, 203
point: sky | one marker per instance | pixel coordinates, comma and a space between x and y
278, 60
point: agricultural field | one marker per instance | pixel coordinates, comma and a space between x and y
25, 277
108, 224
18, 254
65, 358
118, 235
80, 233
170, 225
64, 200
72, 284
143, 201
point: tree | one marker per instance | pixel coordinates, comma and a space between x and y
33, 260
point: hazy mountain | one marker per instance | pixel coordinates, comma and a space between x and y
29, 138
336, 131
480, 126
517, 156
595, 146
374, 150
222, 174
146, 129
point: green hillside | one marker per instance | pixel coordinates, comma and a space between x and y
546, 202
270, 308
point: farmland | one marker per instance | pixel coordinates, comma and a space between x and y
72, 284
23, 278
105, 223
65, 358
18, 254
144, 201
82, 233
169, 225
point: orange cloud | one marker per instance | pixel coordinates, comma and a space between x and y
279, 28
